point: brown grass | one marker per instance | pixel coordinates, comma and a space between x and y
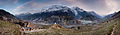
7, 28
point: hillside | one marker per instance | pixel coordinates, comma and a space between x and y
7, 28
110, 27
10, 25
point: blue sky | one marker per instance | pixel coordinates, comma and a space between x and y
101, 7
9, 5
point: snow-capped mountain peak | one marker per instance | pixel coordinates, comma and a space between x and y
78, 9
55, 8
61, 10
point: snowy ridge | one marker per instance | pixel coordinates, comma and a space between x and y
62, 10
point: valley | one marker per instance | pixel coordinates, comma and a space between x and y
59, 20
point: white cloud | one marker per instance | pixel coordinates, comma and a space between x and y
112, 6
102, 7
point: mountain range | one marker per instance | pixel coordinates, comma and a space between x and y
60, 10
59, 20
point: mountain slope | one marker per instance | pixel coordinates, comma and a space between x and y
109, 16
7, 24
7, 16
96, 15
60, 10
10, 25
7, 28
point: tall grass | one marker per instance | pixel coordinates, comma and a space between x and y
117, 28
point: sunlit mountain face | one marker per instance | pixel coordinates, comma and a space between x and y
59, 17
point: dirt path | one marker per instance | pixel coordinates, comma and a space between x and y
36, 30
113, 30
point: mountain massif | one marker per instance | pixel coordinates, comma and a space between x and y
59, 20
60, 10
